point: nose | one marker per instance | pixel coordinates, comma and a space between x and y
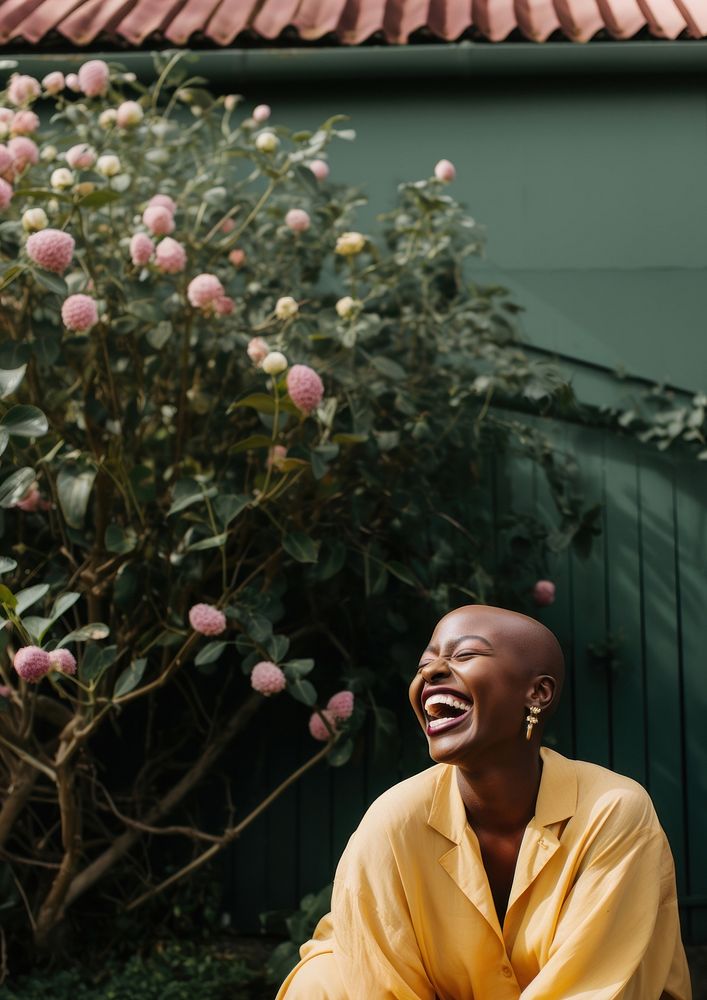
435, 669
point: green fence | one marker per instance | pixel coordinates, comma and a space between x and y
632, 621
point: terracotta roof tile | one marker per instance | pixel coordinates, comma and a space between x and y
138, 22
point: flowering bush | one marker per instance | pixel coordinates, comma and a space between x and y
265, 441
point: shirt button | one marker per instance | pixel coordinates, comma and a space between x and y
542, 844
507, 971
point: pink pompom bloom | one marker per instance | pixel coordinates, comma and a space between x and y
204, 290
5, 194
94, 77
261, 113
23, 151
72, 82
305, 387
31, 663
544, 592
341, 705
206, 619
257, 350
129, 113
237, 257
22, 89
318, 728
63, 661
227, 226
276, 456
141, 249
81, 157
24, 123
54, 83
79, 313
52, 249
266, 678
445, 171
5, 158
297, 220
224, 306
159, 220
320, 169
170, 256
163, 201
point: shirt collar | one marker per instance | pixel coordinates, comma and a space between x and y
557, 797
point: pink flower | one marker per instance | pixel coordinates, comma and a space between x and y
79, 313
23, 151
227, 226
72, 82
53, 83
237, 257
141, 249
317, 726
62, 660
162, 201
257, 350
25, 123
206, 619
224, 306
81, 157
5, 194
129, 113
305, 387
445, 171
5, 158
544, 593
320, 169
23, 89
5, 691
52, 249
94, 77
266, 678
297, 220
341, 705
276, 456
261, 113
31, 663
170, 256
158, 220
32, 501
204, 290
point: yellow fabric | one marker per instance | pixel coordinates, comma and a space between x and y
592, 913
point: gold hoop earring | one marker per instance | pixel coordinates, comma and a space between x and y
532, 720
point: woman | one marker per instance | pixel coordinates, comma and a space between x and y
506, 871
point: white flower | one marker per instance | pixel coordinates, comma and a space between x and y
286, 307
34, 219
445, 171
108, 118
261, 113
48, 154
108, 165
347, 307
274, 363
230, 101
267, 142
349, 244
61, 179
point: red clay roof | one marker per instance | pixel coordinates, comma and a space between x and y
129, 23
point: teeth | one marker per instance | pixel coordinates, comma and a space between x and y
447, 699
436, 723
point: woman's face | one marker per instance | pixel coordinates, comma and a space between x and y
472, 687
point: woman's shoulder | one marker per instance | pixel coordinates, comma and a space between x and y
602, 792
405, 804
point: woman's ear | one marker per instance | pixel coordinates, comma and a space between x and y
542, 691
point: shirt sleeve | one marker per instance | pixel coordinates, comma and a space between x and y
374, 939
617, 935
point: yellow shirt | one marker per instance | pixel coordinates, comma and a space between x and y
592, 913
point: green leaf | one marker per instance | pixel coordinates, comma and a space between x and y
341, 753
74, 484
7, 565
97, 199
15, 487
120, 540
186, 492
386, 366
297, 668
301, 547
277, 647
142, 480
263, 403
95, 630
26, 598
208, 543
53, 282
157, 336
4, 439
302, 691
254, 441
63, 603
210, 653
7, 597
10, 379
331, 561
130, 677
229, 505
25, 421
96, 661
37, 627
349, 438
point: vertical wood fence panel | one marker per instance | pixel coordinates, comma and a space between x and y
640, 598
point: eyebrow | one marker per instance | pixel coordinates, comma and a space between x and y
460, 638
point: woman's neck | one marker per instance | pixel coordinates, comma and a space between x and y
500, 798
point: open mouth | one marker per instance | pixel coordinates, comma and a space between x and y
443, 711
